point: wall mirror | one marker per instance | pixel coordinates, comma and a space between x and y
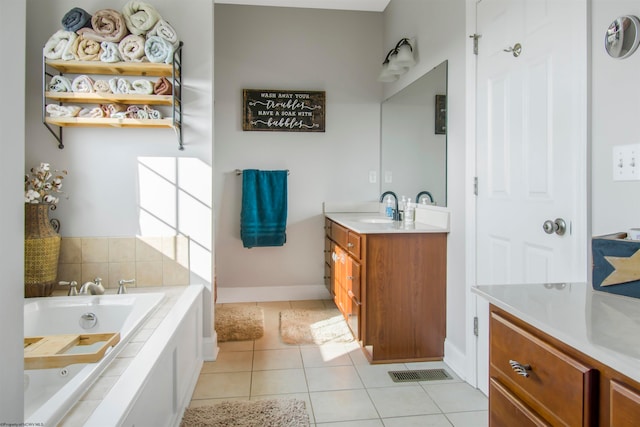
413, 152
622, 39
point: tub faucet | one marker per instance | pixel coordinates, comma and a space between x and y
424, 193
396, 214
93, 288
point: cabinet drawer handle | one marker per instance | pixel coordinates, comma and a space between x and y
519, 368
350, 245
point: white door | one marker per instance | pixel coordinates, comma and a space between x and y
531, 146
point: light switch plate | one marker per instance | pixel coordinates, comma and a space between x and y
388, 178
372, 177
626, 162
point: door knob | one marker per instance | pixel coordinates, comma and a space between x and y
516, 50
559, 226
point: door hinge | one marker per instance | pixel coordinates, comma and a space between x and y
475, 38
475, 185
475, 326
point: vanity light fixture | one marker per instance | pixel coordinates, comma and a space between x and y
397, 62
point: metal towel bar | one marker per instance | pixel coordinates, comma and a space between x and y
239, 172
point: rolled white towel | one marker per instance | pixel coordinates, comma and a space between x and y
59, 45
110, 52
131, 48
158, 49
142, 87
152, 113
102, 86
55, 110
140, 17
120, 85
60, 84
164, 30
83, 84
93, 113
142, 114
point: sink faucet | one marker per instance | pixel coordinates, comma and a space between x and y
424, 193
396, 214
93, 288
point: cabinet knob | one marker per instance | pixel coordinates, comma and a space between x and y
350, 245
350, 277
519, 368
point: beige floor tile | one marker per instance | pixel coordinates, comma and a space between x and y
342, 405
378, 375
236, 346
333, 378
469, 419
209, 402
436, 420
456, 397
288, 358
222, 385
308, 304
271, 341
230, 361
358, 423
402, 401
283, 381
325, 355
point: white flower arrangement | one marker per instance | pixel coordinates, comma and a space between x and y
42, 183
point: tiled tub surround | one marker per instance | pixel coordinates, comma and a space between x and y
151, 261
137, 377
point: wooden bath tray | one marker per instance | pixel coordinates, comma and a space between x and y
57, 351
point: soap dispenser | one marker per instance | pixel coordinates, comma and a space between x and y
389, 208
409, 211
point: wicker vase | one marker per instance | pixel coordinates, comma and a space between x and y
41, 251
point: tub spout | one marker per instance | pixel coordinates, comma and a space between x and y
93, 288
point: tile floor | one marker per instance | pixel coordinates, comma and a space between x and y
337, 383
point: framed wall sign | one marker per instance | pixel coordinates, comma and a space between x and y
283, 110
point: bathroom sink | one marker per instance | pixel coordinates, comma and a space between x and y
376, 220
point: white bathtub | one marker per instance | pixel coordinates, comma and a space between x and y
49, 393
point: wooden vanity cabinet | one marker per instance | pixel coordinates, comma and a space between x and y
391, 289
562, 386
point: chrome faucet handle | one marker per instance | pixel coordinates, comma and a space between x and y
73, 290
121, 288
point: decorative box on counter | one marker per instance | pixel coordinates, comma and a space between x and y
616, 264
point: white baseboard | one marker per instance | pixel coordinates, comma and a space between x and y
272, 293
210, 348
455, 359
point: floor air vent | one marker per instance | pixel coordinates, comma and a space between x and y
419, 375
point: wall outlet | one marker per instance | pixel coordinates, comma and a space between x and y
388, 178
626, 162
373, 177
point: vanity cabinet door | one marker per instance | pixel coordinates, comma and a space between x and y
558, 387
508, 411
625, 405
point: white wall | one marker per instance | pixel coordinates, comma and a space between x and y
615, 120
288, 48
12, 27
439, 26
132, 181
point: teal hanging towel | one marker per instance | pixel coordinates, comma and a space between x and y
263, 220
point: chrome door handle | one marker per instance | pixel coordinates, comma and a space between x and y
559, 226
516, 50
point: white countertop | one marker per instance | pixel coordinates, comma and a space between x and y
599, 324
428, 219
